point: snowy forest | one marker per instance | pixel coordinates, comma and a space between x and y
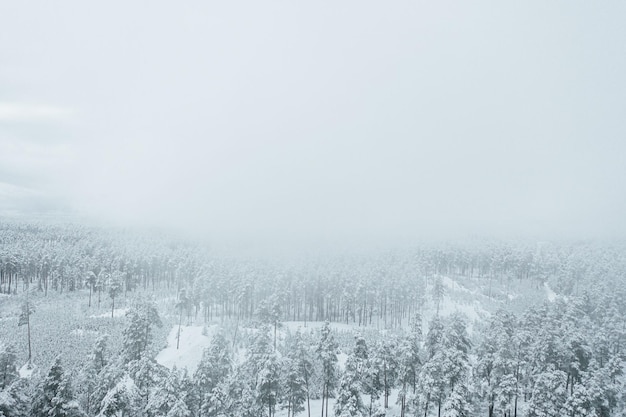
109, 322
353, 208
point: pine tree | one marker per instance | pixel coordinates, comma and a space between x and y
349, 402
115, 288
98, 355
8, 367
294, 383
179, 409
26, 310
90, 281
54, 398
380, 373
270, 312
409, 362
146, 373
189, 393
99, 384
415, 346
327, 354
141, 318
406, 373
303, 356
166, 394
496, 366
182, 304
215, 365
89, 375
457, 404
438, 291
548, 395
267, 387
580, 403
122, 400
13, 399
431, 378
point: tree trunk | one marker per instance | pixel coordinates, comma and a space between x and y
180, 320
385, 385
306, 381
327, 400
30, 353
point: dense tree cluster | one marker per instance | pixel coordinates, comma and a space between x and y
564, 357
561, 358
387, 288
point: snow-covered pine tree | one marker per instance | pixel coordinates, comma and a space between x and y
13, 399
54, 398
270, 311
406, 373
349, 402
304, 357
191, 396
457, 402
8, 365
409, 361
548, 395
431, 381
98, 354
141, 318
103, 382
166, 393
415, 337
294, 391
123, 399
182, 304
27, 309
268, 383
215, 365
496, 365
115, 287
89, 376
327, 354
438, 291
383, 371
146, 373
179, 409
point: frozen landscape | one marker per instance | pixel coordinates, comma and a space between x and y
347, 208
102, 322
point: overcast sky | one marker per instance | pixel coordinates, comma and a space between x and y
317, 120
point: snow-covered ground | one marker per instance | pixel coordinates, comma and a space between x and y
316, 406
549, 292
292, 326
117, 313
192, 345
454, 301
27, 370
83, 332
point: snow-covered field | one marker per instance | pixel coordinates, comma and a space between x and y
117, 313
193, 341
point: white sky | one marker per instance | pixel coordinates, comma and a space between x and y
318, 120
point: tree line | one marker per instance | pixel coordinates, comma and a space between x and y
561, 358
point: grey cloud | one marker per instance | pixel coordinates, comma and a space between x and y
332, 121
